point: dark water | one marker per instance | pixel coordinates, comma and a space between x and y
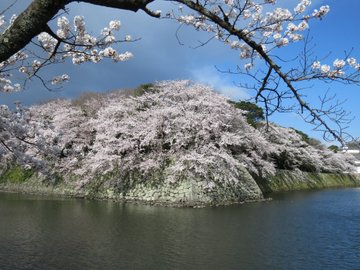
312, 230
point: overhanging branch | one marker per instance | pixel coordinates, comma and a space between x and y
242, 35
35, 18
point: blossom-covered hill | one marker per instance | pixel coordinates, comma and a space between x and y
173, 141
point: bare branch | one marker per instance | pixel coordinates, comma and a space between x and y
288, 81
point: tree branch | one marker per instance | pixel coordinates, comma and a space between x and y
35, 18
133, 5
242, 35
28, 25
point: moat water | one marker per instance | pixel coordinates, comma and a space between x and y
298, 230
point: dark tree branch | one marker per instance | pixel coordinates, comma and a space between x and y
35, 18
241, 35
133, 5
28, 25
264, 83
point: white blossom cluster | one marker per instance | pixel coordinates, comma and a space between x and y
174, 130
47, 42
69, 41
271, 29
21, 142
60, 79
263, 21
6, 84
140, 134
82, 47
2, 21
292, 152
338, 69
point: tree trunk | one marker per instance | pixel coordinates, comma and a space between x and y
34, 20
28, 24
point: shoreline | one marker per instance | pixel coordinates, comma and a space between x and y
282, 182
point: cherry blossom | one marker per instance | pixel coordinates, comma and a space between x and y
126, 132
339, 64
325, 68
73, 42
174, 130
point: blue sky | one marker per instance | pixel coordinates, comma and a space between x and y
159, 56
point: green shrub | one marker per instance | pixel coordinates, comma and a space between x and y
254, 115
334, 148
303, 135
16, 174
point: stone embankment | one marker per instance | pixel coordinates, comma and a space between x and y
190, 192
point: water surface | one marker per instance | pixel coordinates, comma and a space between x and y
300, 230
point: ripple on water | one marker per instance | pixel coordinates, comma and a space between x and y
302, 230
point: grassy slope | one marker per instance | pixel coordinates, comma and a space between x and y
297, 180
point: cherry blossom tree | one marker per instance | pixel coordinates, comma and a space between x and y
175, 130
23, 141
257, 29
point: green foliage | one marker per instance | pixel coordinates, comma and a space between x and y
144, 88
334, 148
283, 161
287, 161
311, 141
16, 174
290, 181
303, 135
254, 115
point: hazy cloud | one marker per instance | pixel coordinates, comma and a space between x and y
220, 82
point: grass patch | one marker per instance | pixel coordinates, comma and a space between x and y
15, 175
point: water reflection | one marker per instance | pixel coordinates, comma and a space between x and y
312, 230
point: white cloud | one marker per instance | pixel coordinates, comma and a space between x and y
221, 82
